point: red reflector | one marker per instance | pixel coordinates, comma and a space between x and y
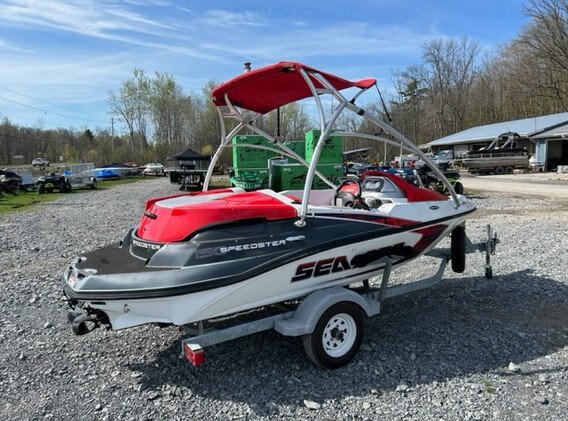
194, 354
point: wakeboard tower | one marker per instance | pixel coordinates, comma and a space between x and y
197, 256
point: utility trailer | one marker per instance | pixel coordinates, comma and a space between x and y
81, 175
330, 321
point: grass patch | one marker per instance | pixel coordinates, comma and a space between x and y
488, 386
23, 201
110, 182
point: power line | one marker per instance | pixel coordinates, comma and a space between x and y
43, 124
41, 100
51, 112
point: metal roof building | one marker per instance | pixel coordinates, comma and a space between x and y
557, 131
526, 127
544, 137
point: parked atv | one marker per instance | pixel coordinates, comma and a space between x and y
48, 183
432, 181
9, 181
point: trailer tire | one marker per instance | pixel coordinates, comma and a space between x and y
458, 249
499, 170
509, 170
337, 336
458, 187
65, 187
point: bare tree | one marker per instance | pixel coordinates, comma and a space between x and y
543, 44
294, 122
130, 105
410, 110
451, 67
170, 112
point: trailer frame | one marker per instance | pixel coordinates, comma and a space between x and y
304, 318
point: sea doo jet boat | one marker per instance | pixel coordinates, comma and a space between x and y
201, 255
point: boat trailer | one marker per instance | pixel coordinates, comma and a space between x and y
329, 320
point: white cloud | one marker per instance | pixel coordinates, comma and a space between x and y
227, 18
5, 45
349, 40
74, 51
89, 18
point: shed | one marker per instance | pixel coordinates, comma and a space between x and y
187, 168
552, 147
189, 160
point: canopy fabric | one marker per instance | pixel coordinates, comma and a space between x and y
188, 154
267, 88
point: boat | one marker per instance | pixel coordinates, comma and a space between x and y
105, 173
115, 170
499, 157
201, 255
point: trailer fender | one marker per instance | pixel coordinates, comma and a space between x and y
304, 319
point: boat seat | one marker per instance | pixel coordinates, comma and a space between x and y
316, 197
296, 199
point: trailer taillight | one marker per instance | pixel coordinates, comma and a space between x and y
194, 353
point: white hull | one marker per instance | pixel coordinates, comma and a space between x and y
276, 285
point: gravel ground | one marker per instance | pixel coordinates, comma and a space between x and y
469, 348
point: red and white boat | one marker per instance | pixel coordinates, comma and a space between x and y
201, 255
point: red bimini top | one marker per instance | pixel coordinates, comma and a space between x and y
267, 88
169, 219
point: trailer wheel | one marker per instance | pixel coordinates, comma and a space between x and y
93, 185
458, 187
509, 170
433, 185
64, 187
337, 336
458, 249
499, 170
488, 272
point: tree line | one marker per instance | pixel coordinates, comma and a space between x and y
455, 86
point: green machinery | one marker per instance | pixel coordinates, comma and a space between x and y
255, 168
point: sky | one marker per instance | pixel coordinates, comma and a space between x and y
60, 59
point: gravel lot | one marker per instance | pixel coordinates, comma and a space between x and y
469, 348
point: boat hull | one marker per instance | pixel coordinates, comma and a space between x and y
333, 249
490, 161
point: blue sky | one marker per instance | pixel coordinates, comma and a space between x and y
60, 58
